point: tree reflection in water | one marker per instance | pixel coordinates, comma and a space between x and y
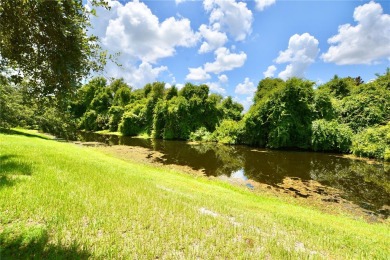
365, 184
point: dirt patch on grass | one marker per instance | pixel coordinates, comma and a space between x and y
146, 156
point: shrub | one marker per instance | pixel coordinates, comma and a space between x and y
88, 121
131, 124
282, 117
201, 134
331, 136
373, 142
57, 123
115, 113
228, 132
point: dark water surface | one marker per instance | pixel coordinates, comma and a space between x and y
367, 185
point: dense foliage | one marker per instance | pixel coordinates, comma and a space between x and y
373, 142
331, 136
342, 115
281, 117
46, 43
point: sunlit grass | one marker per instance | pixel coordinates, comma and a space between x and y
63, 200
108, 132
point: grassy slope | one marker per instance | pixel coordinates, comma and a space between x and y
60, 200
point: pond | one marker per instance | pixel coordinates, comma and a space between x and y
367, 185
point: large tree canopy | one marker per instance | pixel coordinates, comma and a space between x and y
47, 43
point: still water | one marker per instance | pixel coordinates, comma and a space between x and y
367, 185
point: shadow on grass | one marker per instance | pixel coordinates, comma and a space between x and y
15, 132
10, 167
37, 246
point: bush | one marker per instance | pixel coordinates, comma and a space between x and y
57, 123
282, 117
201, 134
88, 121
373, 142
131, 124
115, 113
331, 136
228, 132
368, 106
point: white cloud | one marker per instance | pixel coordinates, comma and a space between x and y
365, 43
213, 39
270, 72
301, 52
246, 102
233, 17
197, 74
141, 39
179, 85
223, 78
262, 4
245, 88
225, 60
216, 87
137, 31
136, 76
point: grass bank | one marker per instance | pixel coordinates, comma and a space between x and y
60, 200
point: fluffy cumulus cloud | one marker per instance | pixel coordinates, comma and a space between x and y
246, 101
365, 43
231, 16
245, 88
216, 87
197, 74
141, 39
270, 72
225, 60
213, 38
136, 76
139, 33
245, 92
262, 4
223, 78
301, 52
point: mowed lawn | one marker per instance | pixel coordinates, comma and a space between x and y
63, 201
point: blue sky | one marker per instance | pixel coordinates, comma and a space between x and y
231, 45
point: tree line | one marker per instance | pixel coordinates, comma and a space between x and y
343, 115
45, 52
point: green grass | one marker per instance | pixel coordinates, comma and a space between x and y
62, 201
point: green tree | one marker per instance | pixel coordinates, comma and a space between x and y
133, 121
12, 111
115, 114
266, 87
368, 105
331, 136
47, 42
373, 142
384, 80
231, 110
339, 87
228, 132
171, 92
122, 96
323, 106
281, 117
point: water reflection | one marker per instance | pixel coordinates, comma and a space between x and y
364, 184
239, 175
